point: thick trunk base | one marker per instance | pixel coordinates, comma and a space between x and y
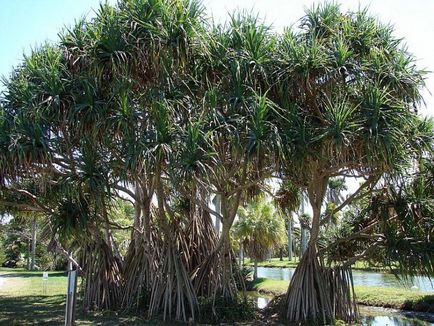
102, 277
137, 273
172, 292
319, 294
219, 278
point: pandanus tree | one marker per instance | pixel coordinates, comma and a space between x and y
148, 103
109, 107
94, 117
349, 89
150, 109
235, 117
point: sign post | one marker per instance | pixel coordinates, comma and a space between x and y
70, 296
44, 282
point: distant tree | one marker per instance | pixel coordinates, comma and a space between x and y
121, 216
288, 199
260, 227
335, 188
16, 243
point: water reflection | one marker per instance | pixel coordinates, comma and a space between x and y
381, 317
392, 321
261, 303
260, 300
360, 278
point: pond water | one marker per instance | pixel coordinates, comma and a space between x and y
390, 317
371, 316
360, 278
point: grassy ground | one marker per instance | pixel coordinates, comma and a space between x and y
276, 262
269, 286
273, 262
19, 282
24, 302
388, 297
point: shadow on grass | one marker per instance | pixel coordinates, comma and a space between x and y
424, 304
50, 310
31, 310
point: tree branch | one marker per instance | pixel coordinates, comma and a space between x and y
126, 190
21, 207
32, 197
372, 181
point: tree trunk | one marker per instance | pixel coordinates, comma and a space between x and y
29, 249
241, 263
172, 292
227, 288
33, 256
281, 254
137, 264
220, 262
318, 294
255, 272
217, 203
223, 265
303, 242
307, 299
103, 277
290, 239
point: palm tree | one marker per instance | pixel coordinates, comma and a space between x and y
335, 188
259, 228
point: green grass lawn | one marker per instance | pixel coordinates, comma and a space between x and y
269, 286
274, 262
23, 302
389, 297
19, 282
398, 298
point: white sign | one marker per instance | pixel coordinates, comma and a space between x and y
44, 282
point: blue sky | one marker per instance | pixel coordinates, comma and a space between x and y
28, 23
